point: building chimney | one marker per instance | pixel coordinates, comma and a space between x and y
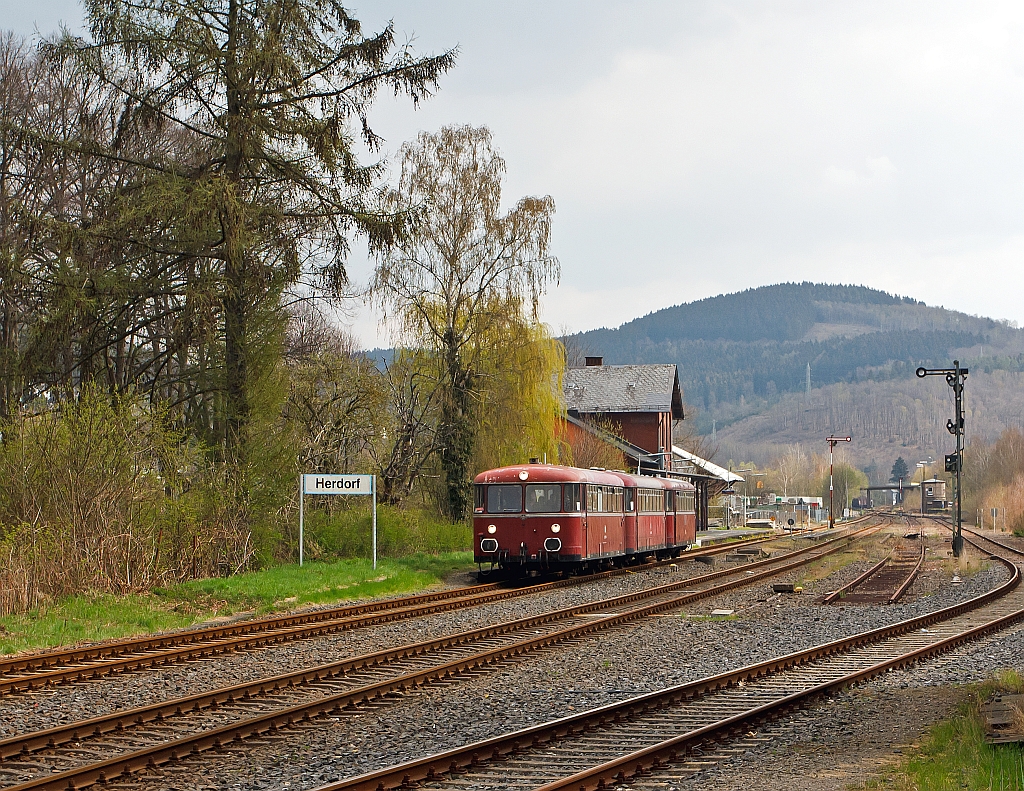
595, 361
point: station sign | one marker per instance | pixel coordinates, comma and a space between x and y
327, 483
313, 483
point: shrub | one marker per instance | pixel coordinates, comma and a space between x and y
345, 531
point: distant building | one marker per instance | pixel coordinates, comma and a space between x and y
638, 403
933, 495
640, 400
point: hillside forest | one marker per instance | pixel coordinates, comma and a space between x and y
776, 367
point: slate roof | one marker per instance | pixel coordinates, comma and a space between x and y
623, 388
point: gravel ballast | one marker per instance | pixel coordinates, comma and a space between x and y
650, 655
46, 708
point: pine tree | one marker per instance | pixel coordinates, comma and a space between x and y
900, 471
271, 96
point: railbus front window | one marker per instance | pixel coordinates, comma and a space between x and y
478, 498
504, 498
543, 498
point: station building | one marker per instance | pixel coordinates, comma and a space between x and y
631, 410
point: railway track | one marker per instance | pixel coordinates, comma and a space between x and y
33, 671
652, 740
886, 581
105, 748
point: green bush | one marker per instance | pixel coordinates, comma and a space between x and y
345, 532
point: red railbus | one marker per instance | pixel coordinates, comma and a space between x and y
541, 517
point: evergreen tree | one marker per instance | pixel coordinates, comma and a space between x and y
900, 471
271, 96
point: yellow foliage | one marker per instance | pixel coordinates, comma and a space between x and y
519, 385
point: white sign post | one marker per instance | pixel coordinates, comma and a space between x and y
338, 484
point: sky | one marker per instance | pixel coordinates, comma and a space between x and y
699, 148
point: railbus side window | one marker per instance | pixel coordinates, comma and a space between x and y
543, 498
651, 501
478, 498
630, 504
504, 498
572, 497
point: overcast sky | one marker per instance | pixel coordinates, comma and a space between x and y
700, 148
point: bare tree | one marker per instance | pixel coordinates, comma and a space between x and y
464, 278
596, 448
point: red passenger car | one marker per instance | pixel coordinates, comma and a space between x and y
540, 517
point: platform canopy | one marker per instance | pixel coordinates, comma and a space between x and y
681, 458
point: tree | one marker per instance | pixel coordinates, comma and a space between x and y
594, 448
791, 473
335, 394
900, 471
266, 92
847, 481
465, 281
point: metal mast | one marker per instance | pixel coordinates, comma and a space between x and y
831, 447
955, 378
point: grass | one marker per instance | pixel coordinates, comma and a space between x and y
964, 566
955, 756
102, 617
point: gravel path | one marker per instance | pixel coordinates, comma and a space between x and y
650, 655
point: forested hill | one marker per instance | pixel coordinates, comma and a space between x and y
756, 344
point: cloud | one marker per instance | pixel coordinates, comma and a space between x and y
876, 170
697, 148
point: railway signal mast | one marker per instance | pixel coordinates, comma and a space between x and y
955, 378
832, 441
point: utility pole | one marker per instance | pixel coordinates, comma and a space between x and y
955, 378
832, 441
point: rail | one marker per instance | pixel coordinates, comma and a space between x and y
635, 765
124, 765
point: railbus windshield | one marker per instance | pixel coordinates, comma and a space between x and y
504, 498
543, 498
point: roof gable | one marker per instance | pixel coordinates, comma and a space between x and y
624, 388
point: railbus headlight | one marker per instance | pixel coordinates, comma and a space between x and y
492, 529
555, 527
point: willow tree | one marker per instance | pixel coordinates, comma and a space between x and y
273, 99
465, 281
